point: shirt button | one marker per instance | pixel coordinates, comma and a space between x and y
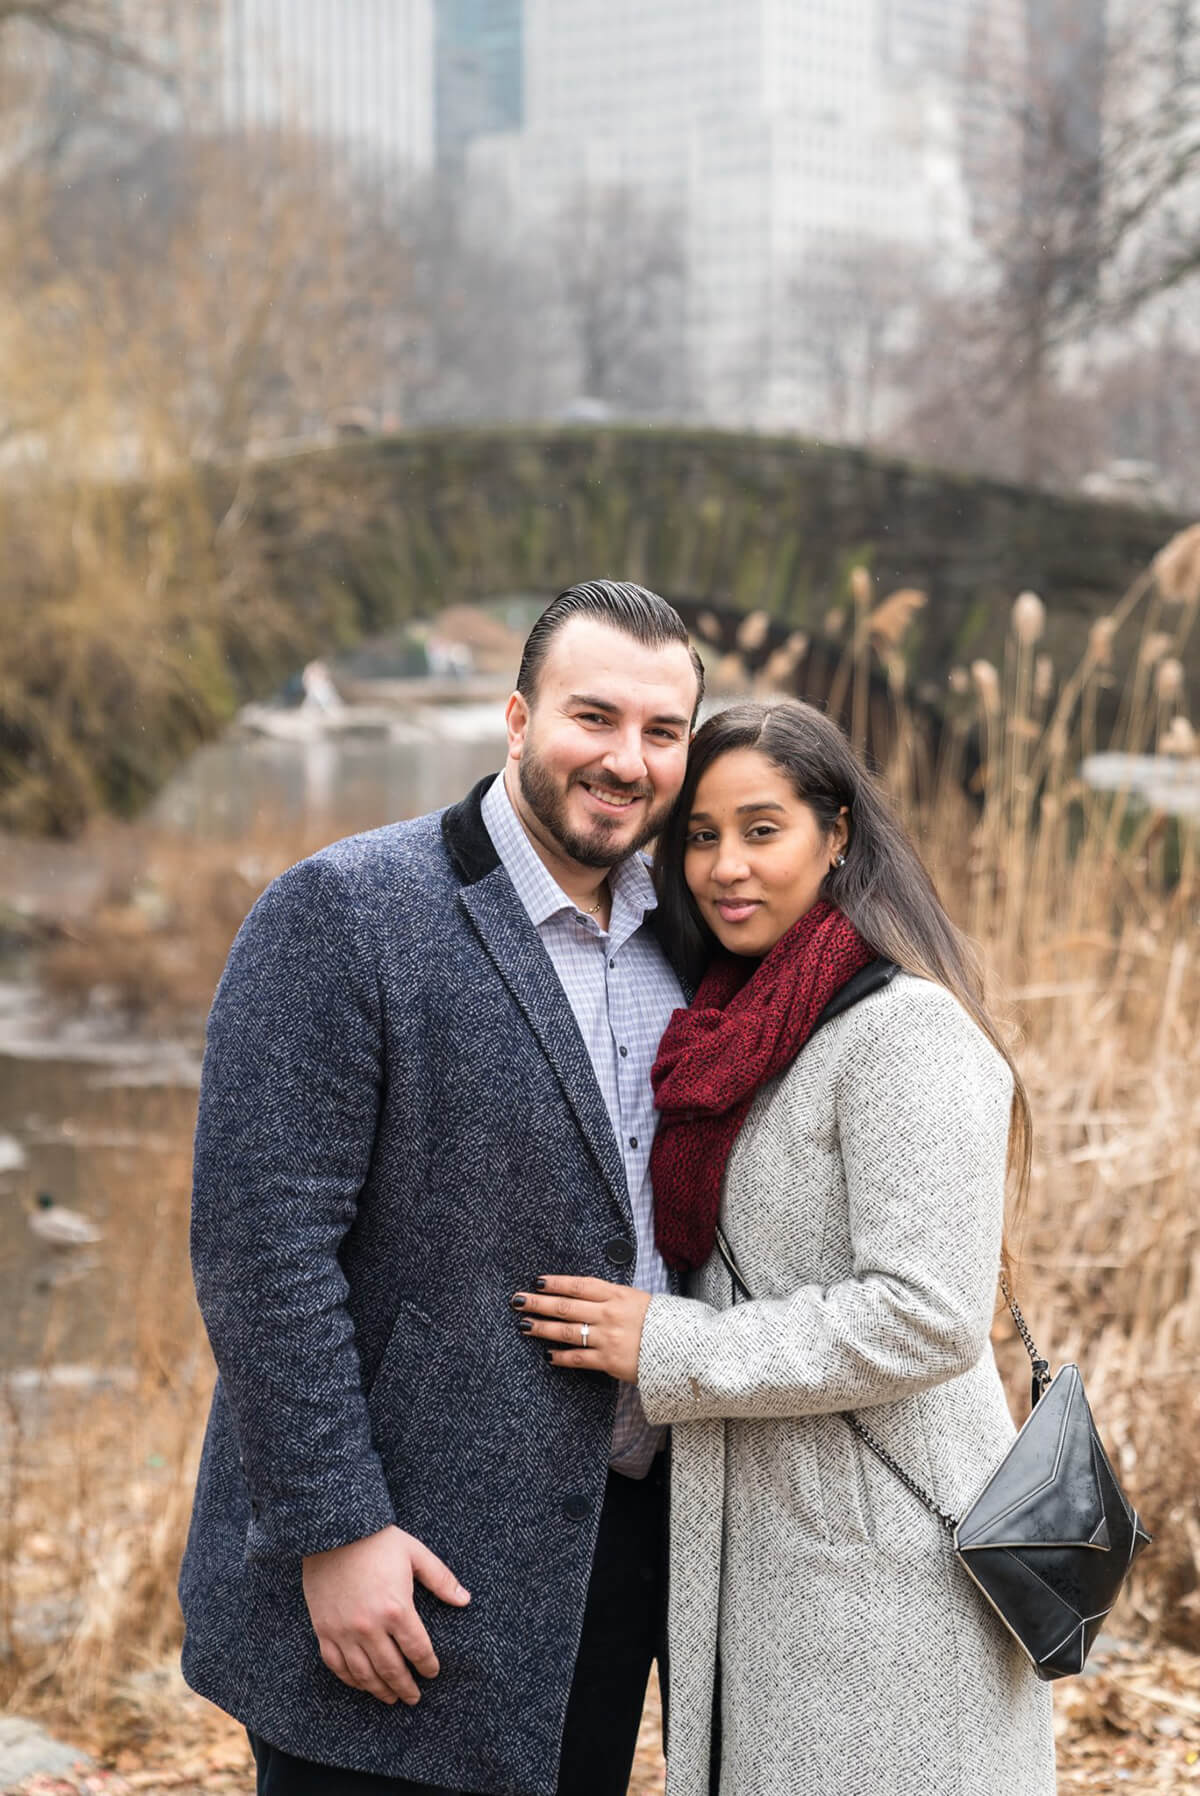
624, 1053
612, 963
619, 1251
577, 1507
633, 1141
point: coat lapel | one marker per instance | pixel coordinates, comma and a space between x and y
503, 927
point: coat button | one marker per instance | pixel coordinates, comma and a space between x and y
577, 1507
619, 1251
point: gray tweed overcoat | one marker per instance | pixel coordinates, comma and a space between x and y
863, 1202
399, 1126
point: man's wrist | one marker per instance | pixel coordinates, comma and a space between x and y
375, 1534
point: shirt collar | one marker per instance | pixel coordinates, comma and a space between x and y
632, 887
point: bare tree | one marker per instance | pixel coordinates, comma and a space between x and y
851, 317
1152, 152
72, 72
85, 23
621, 275
1084, 166
204, 297
1035, 167
492, 344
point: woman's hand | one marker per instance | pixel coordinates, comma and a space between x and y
560, 1309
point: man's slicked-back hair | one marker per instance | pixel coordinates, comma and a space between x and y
634, 610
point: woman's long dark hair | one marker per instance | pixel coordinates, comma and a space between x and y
883, 888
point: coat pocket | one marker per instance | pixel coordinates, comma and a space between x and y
774, 1463
845, 1496
410, 1360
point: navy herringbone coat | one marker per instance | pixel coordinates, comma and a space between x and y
399, 1126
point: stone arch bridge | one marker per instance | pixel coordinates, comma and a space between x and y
248, 572
753, 537
724, 524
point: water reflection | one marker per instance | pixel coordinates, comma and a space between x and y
242, 783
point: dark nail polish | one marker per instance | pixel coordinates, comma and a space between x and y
525, 1324
516, 1303
550, 1355
539, 1284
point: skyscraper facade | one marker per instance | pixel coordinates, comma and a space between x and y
478, 73
788, 133
359, 72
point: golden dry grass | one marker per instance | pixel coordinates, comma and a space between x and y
1085, 908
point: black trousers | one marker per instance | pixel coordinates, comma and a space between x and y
623, 1630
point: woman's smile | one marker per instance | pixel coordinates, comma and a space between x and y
736, 910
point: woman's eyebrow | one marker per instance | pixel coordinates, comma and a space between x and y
765, 804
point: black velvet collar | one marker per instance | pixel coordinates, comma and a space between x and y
470, 847
868, 979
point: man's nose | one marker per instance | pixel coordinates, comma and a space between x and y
625, 760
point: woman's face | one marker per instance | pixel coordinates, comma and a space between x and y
755, 854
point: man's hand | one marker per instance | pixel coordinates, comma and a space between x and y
360, 1600
559, 1310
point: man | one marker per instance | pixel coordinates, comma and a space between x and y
427, 1082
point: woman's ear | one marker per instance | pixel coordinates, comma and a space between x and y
839, 835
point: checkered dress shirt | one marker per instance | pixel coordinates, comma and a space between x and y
622, 992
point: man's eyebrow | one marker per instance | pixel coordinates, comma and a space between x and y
606, 704
593, 704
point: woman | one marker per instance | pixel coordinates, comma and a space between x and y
822, 1636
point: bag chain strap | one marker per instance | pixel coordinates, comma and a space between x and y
1041, 1379
949, 1522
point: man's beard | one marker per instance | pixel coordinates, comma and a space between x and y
595, 847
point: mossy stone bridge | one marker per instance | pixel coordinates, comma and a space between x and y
723, 524
234, 577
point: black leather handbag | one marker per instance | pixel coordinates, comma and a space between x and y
1050, 1538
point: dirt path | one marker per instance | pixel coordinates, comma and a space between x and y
1127, 1729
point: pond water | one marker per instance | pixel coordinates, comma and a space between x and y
347, 781
102, 1123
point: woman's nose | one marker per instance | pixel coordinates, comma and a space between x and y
730, 865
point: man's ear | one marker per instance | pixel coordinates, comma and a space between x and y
516, 718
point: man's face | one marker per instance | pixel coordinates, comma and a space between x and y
601, 751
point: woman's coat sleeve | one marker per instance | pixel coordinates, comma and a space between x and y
922, 1104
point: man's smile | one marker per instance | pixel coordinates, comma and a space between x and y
610, 799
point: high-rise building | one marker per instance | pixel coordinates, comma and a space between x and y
788, 133
924, 35
478, 73
359, 72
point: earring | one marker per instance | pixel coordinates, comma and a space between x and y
839, 860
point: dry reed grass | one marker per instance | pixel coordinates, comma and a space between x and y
152, 948
1085, 909
97, 1477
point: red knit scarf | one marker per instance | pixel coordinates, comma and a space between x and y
747, 1023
